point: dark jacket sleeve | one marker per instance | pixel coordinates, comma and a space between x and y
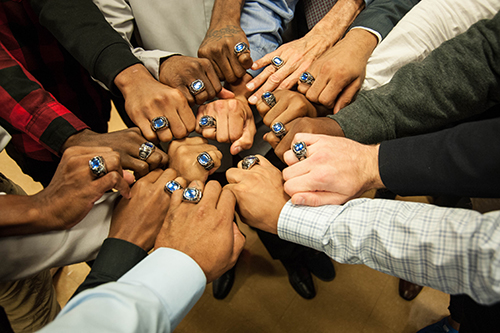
461, 161
81, 28
457, 80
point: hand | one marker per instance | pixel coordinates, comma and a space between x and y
146, 99
335, 170
180, 71
323, 125
259, 194
126, 143
340, 71
204, 231
235, 123
139, 219
183, 158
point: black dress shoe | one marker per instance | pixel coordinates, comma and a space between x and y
222, 286
301, 280
407, 290
320, 265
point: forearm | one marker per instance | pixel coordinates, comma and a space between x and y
451, 250
226, 12
21, 215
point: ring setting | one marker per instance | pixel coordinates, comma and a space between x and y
192, 194
171, 186
145, 150
277, 62
279, 130
300, 150
306, 78
269, 99
97, 166
241, 48
196, 87
205, 160
207, 121
249, 161
159, 123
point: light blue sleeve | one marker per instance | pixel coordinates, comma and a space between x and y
154, 296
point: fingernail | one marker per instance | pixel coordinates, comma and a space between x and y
300, 201
237, 150
254, 66
252, 99
251, 86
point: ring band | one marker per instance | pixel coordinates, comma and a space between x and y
196, 87
205, 160
269, 99
249, 161
159, 123
241, 48
97, 166
192, 194
171, 186
300, 150
146, 150
277, 62
279, 130
207, 121
306, 78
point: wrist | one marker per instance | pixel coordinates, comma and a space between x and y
375, 181
127, 79
75, 140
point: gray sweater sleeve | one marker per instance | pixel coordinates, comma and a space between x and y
459, 79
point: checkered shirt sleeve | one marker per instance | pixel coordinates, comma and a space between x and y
452, 250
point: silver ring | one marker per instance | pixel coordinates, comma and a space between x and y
241, 48
207, 121
205, 160
277, 62
249, 161
306, 78
159, 123
300, 150
196, 87
97, 166
171, 186
192, 194
145, 150
279, 130
269, 99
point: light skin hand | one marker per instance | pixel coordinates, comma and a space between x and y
259, 194
183, 158
340, 71
335, 171
146, 99
204, 231
127, 143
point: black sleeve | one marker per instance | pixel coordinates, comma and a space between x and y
461, 161
115, 258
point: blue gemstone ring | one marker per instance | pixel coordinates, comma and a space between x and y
205, 161
207, 121
171, 186
249, 161
279, 130
241, 48
306, 78
192, 194
277, 62
145, 150
159, 123
300, 150
269, 99
97, 166
196, 87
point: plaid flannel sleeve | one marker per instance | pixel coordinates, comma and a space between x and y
452, 250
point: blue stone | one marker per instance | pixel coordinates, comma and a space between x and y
149, 144
204, 159
304, 76
172, 186
299, 146
95, 163
204, 121
159, 122
277, 127
197, 85
277, 61
267, 94
190, 193
240, 47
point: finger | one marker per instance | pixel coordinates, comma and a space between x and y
217, 70
264, 61
228, 69
113, 180
152, 176
235, 123
235, 175
216, 156
177, 127
245, 60
238, 243
347, 96
315, 199
222, 133
187, 117
275, 112
129, 177
187, 94
246, 140
257, 82
225, 94
320, 83
214, 81
297, 170
290, 158
211, 194
262, 107
272, 139
145, 126
328, 96
236, 67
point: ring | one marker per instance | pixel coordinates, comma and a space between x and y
240, 48
300, 150
277, 62
207, 121
306, 78
269, 99
196, 87
171, 186
192, 194
279, 130
249, 161
159, 123
145, 150
205, 160
97, 166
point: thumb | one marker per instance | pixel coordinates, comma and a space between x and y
225, 94
315, 199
